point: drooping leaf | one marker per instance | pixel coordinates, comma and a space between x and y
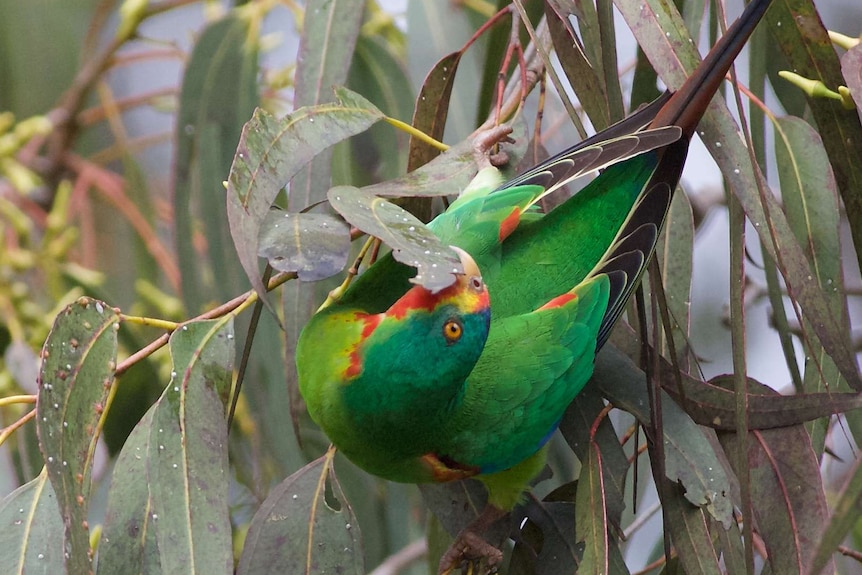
787, 494
661, 33
218, 95
690, 456
455, 504
436, 29
411, 242
329, 32
305, 526
378, 72
810, 198
845, 515
30, 529
546, 542
128, 542
272, 151
170, 508
432, 109
326, 49
800, 33
315, 246
577, 429
79, 358
591, 516
688, 526
449, 173
674, 254
587, 83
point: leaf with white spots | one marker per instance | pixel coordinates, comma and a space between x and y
272, 150
305, 526
412, 243
30, 527
78, 362
168, 505
315, 246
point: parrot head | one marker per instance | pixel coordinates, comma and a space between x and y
415, 357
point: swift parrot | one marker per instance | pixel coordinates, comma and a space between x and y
416, 386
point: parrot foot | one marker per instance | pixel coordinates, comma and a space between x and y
470, 548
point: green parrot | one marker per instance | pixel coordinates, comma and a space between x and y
471, 381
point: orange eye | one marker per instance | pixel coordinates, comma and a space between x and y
452, 330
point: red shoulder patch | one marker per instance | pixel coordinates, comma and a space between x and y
560, 301
510, 224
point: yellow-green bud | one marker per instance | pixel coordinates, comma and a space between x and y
131, 14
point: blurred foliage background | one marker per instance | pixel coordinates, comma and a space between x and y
119, 122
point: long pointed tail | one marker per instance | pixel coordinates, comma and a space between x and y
629, 254
688, 104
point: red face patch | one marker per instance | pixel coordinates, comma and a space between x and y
370, 323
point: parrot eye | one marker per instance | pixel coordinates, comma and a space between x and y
476, 283
453, 330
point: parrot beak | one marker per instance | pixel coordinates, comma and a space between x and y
467, 262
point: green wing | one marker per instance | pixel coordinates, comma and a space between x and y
532, 365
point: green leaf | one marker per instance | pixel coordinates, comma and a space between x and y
451, 172
713, 403
674, 254
218, 95
589, 86
576, 427
272, 151
329, 32
315, 246
688, 529
411, 242
168, 506
798, 30
378, 73
79, 358
128, 543
591, 516
456, 503
438, 28
546, 542
810, 198
787, 494
690, 456
432, 109
31, 529
845, 514
305, 526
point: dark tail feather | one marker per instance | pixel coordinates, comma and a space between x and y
626, 259
687, 105
684, 108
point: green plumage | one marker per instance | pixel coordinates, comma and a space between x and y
406, 399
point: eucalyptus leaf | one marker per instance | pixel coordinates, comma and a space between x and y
30, 529
315, 246
305, 526
219, 93
411, 242
80, 356
271, 151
